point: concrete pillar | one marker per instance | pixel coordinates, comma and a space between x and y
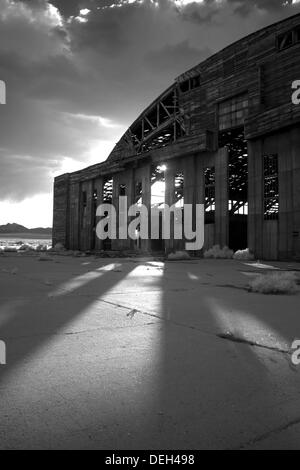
61, 211
190, 196
115, 245
170, 200
86, 216
98, 186
295, 151
125, 178
74, 216
270, 228
222, 217
145, 177
255, 198
286, 203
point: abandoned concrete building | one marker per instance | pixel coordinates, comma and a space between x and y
225, 134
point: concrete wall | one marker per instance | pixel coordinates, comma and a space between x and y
268, 239
60, 210
275, 239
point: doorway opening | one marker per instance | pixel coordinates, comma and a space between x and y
158, 191
94, 217
107, 198
236, 144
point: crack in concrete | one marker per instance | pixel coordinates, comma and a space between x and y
236, 339
273, 432
72, 333
223, 336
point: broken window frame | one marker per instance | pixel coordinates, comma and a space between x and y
107, 191
233, 111
189, 84
83, 206
210, 194
185, 86
122, 190
107, 198
94, 207
161, 124
271, 186
195, 82
179, 189
229, 66
288, 39
138, 193
157, 175
236, 144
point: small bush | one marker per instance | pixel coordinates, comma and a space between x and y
216, 252
275, 283
26, 247
42, 248
59, 247
10, 249
243, 255
178, 255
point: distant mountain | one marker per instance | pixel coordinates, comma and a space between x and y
16, 228
41, 230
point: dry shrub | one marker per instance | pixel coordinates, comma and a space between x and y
178, 256
275, 283
243, 255
216, 252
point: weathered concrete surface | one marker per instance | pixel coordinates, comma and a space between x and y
125, 354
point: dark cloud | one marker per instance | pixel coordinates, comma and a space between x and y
66, 7
104, 33
24, 176
167, 57
76, 82
244, 7
201, 13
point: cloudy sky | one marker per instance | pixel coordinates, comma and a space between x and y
78, 72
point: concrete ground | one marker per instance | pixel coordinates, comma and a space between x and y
126, 354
